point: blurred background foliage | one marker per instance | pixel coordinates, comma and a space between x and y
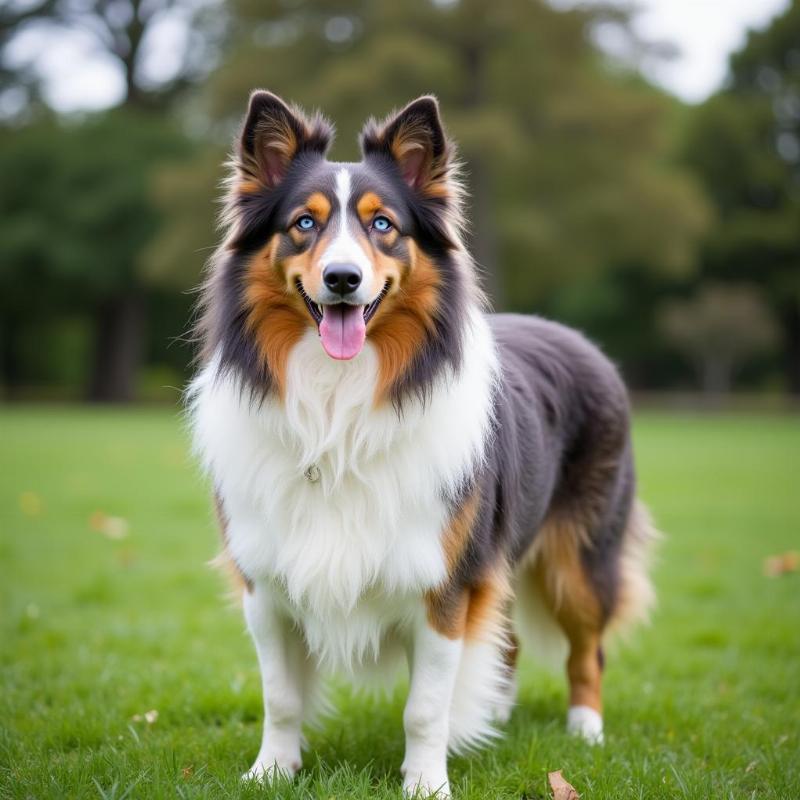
669, 233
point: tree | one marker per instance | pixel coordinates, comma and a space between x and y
744, 144
18, 85
118, 216
122, 29
719, 328
75, 214
566, 160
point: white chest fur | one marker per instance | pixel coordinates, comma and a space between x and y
350, 551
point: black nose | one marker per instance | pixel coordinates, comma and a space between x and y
342, 278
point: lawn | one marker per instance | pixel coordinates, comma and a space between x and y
109, 611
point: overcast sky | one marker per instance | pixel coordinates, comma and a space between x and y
704, 32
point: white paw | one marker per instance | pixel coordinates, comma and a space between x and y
585, 722
268, 767
424, 783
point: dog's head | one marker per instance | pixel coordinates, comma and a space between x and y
357, 251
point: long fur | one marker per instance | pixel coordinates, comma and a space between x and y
463, 475
367, 527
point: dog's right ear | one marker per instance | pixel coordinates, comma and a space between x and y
274, 134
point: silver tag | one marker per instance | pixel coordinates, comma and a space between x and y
312, 474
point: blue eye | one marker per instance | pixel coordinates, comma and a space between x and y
305, 223
381, 224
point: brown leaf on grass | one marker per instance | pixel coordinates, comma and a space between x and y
186, 772
560, 788
774, 566
30, 504
149, 717
126, 557
110, 527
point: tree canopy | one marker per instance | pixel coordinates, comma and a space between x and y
594, 197
744, 144
566, 162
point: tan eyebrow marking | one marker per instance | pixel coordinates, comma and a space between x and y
368, 205
319, 206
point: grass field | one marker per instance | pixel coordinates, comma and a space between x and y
101, 624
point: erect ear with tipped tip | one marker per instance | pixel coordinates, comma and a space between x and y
415, 139
274, 134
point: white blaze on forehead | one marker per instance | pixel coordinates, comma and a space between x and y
345, 248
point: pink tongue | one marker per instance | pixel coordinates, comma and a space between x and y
342, 330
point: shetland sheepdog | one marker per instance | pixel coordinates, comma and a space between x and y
398, 474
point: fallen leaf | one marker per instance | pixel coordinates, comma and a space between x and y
126, 557
782, 564
187, 772
30, 504
561, 789
149, 717
110, 527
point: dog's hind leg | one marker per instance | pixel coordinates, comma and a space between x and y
568, 594
589, 586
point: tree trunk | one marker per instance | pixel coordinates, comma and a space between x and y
10, 370
791, 329
119, 323
716, 377
118, 338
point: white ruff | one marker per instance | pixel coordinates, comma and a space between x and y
348, 556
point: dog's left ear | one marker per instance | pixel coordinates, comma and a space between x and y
415, 140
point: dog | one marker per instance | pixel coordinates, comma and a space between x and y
399, 474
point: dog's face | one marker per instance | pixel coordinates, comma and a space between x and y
340, 244
354, 251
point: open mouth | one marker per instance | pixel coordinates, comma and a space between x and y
313, 308
342, 327
316, 310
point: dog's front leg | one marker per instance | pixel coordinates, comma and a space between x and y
434, 662
285, 677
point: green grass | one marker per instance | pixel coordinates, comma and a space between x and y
705, 703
